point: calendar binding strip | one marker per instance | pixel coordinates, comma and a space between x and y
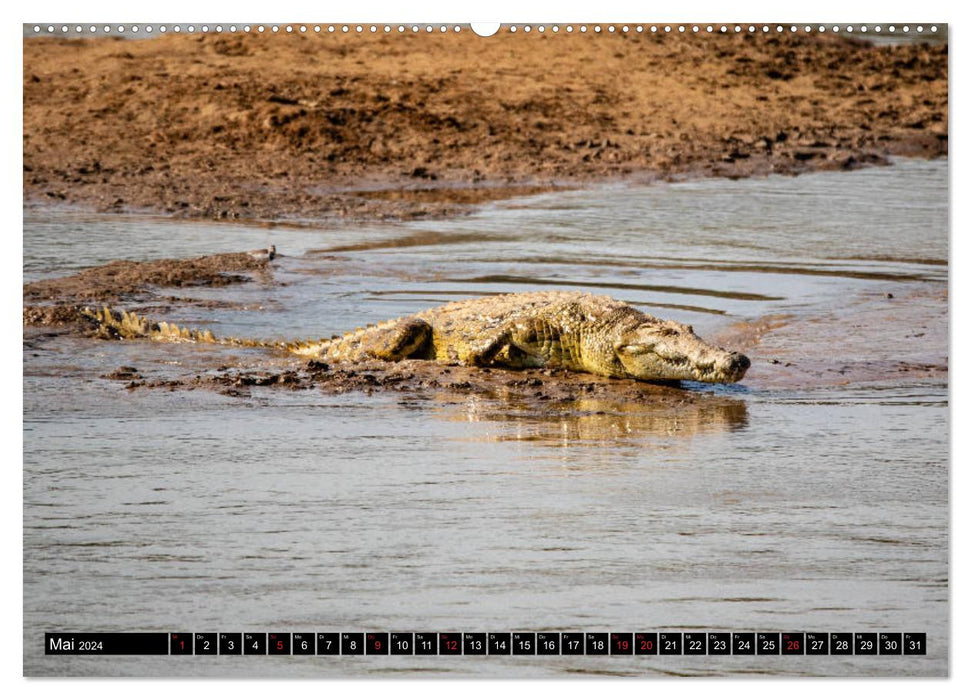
89, 29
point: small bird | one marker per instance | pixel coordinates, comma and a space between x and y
263, 253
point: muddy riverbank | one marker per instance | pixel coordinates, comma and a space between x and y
363, 127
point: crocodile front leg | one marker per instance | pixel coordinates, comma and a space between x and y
514, 357
407, 338
508, 347
484, 351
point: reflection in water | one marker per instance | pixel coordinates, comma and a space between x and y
598, 421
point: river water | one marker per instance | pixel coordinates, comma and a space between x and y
811, 497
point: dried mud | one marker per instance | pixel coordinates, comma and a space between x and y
303, 126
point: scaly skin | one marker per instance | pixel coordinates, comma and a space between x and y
574, 331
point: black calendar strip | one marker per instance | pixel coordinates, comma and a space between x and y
486, 643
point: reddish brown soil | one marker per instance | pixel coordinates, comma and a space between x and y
365, 126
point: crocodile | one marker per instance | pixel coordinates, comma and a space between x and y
570, 330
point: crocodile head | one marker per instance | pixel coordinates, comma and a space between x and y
669, 351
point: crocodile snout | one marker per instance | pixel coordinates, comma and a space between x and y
734, 365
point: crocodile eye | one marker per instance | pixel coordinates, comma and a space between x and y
635, 349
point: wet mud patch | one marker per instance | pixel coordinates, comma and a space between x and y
450, 199
58, 315
480, 194
411, 240
539, 385
122, 278
889, 337
590, 405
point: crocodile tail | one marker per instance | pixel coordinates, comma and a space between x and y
324, 347
309, 348
129, 325
352, 345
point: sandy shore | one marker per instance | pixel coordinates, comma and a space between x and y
372, 126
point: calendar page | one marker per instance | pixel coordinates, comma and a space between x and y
513, 350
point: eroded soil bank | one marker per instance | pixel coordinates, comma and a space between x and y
305, 126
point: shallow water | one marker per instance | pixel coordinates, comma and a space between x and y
814, 496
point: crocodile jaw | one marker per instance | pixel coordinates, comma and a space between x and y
720, 367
